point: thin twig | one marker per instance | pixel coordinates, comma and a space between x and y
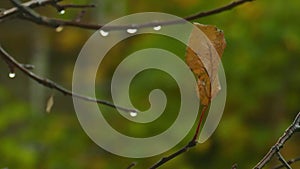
27, 12
283, 161
60, 7
191, 144
295, 126
289, 162
49, 21
24, 9
52, 85
204, 109
177, 153
131, 165
217, 10
75, 6
6, 14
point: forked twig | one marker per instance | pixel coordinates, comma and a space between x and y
6, 14
289, 162
60, 22
294, 127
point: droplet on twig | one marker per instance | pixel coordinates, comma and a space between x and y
131, 30
12, 75
133, 114
59, 29
104, 33
5, 12
62, 12
157, 28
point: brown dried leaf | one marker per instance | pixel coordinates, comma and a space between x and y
50, 104
204, 60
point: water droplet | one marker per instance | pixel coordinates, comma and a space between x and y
62, 12
157, 28
12, 75
104, 33
133, 114
5, 12
59, 28
131, 30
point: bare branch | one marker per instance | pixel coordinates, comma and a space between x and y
289, 162
162, 161
184, 149
294, 127
29, 13
61, 7
52, 85
131, 165
217, 10
6, 14
49, 21
282, 160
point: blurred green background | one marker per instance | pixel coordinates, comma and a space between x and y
261, 62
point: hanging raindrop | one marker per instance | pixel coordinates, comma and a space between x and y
133, 114
131, 30
59, 28
104, 33
62, 12
12, 75
157, 28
